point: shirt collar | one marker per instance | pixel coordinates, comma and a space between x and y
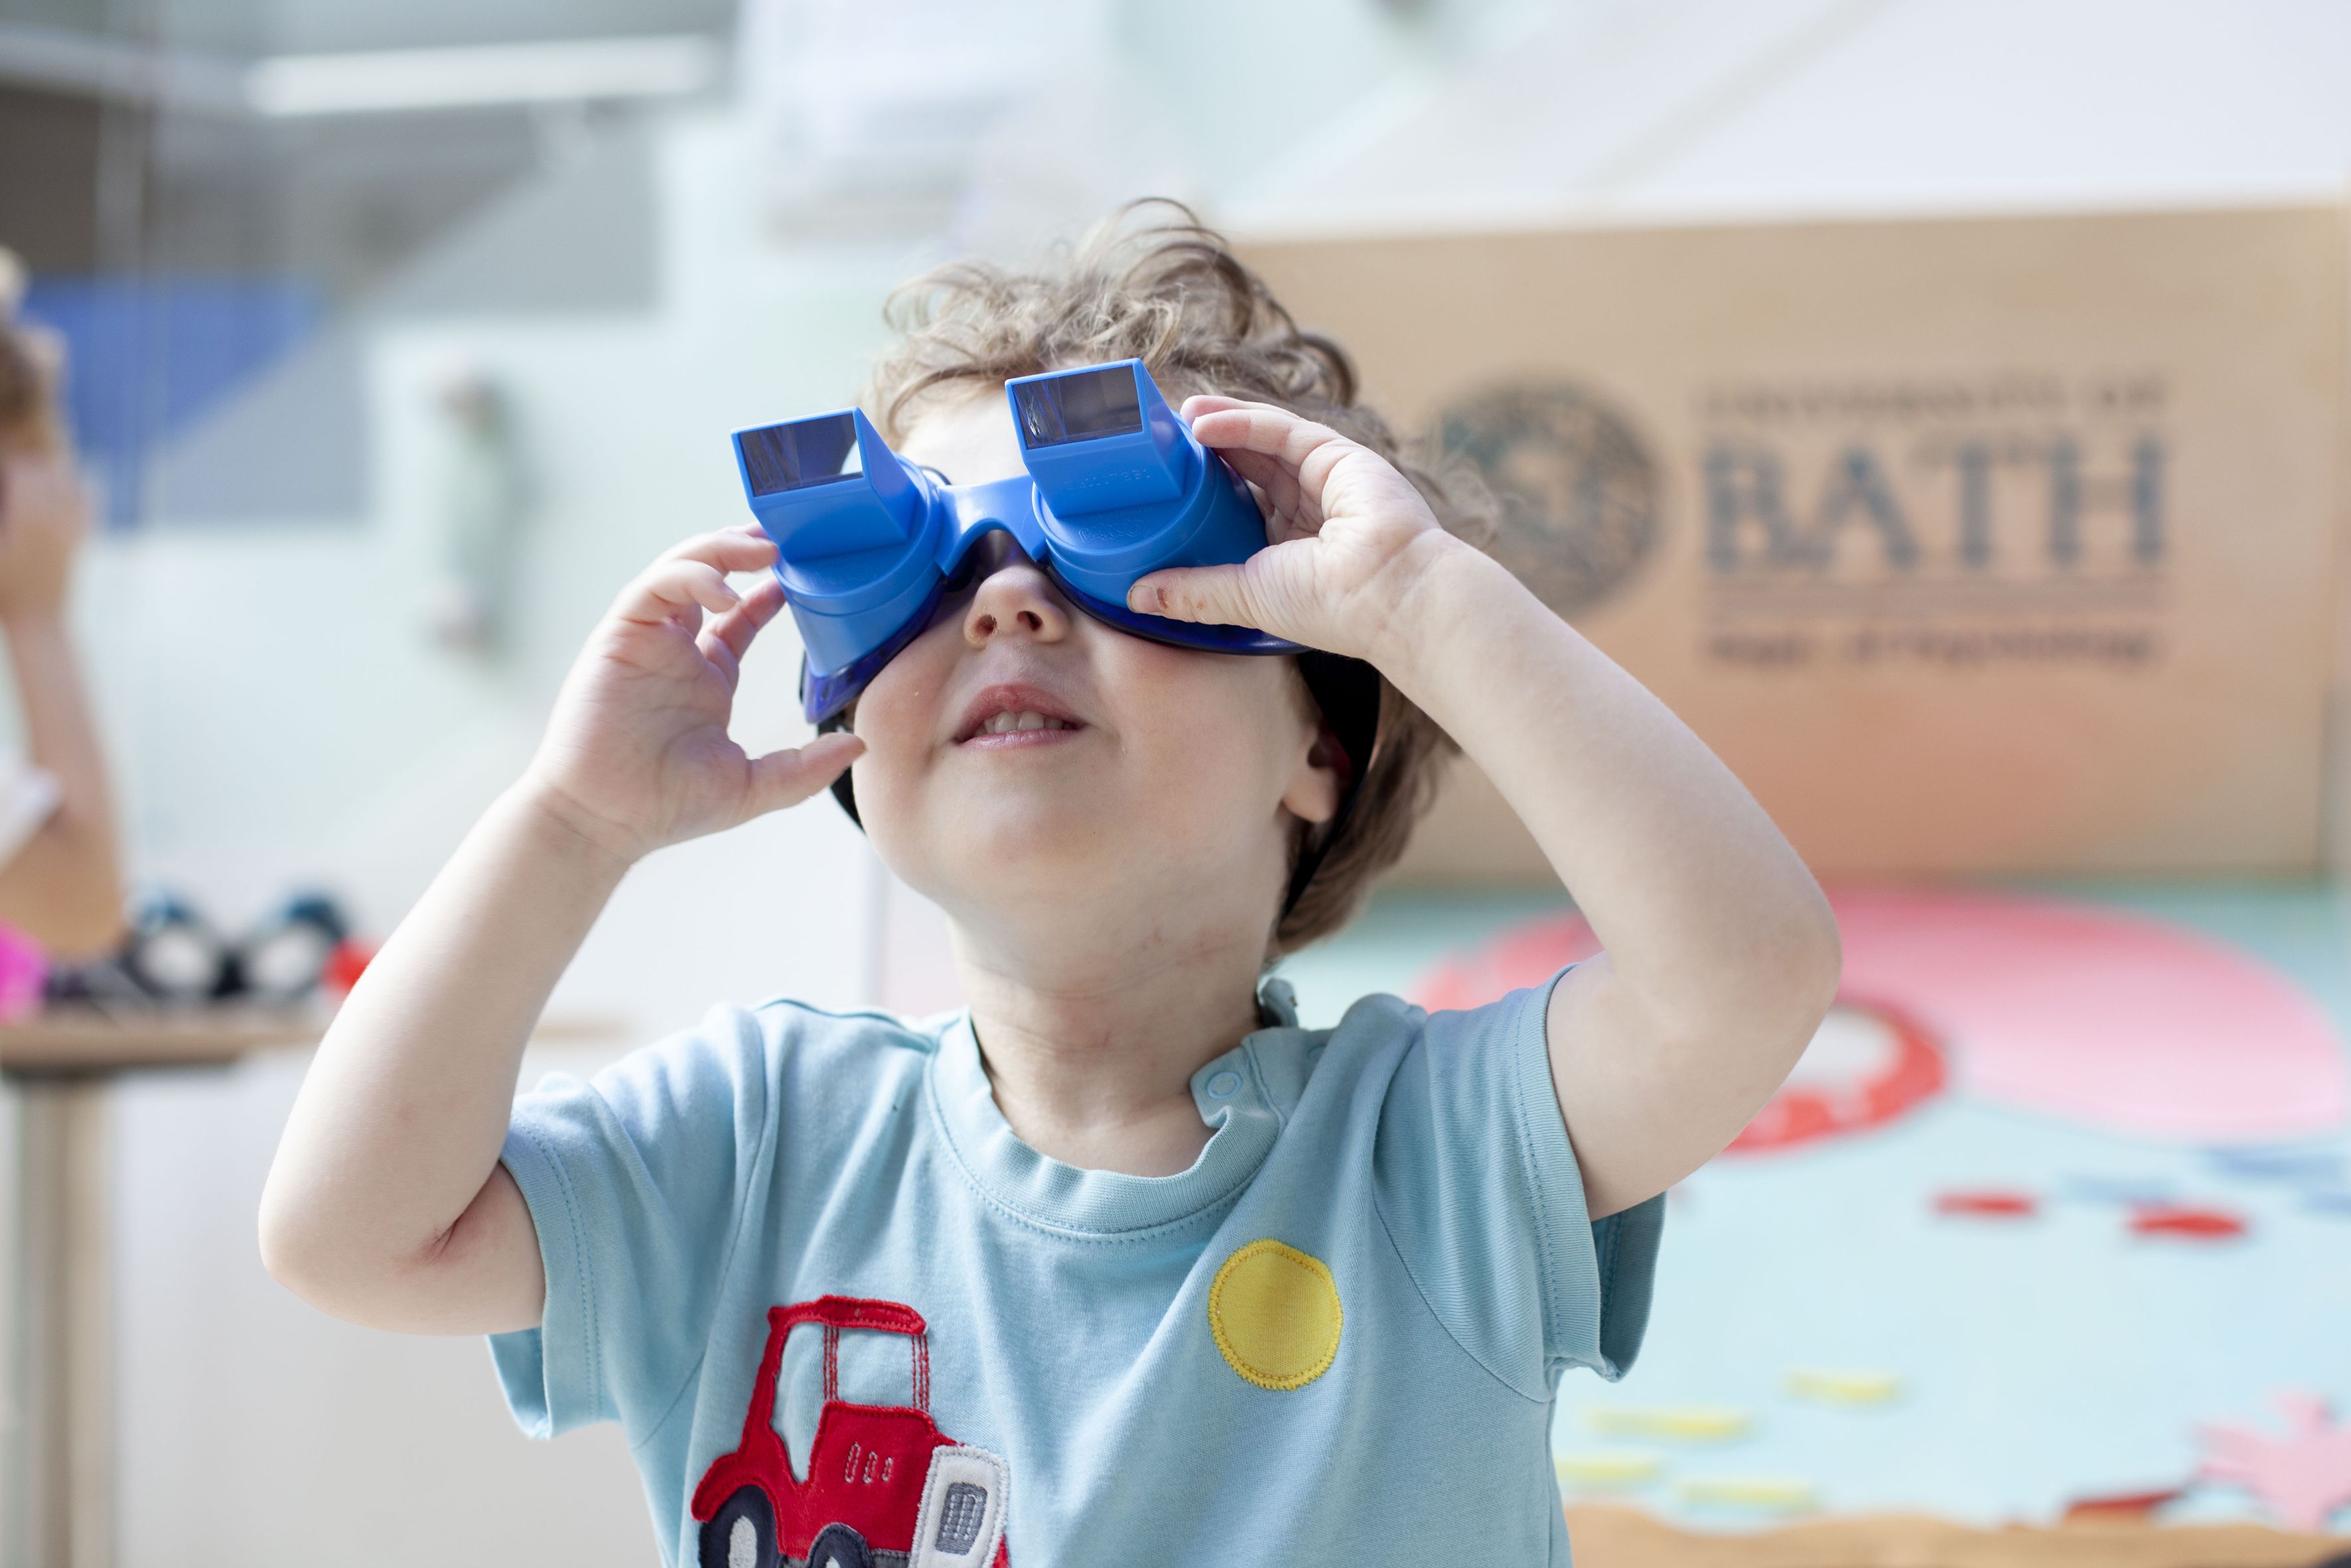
1228, 1090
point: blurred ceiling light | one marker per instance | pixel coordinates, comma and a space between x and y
374, 81
380, 81
74, 62
867, 99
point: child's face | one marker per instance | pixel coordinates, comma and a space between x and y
1162, 781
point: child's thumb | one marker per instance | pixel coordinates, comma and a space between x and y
782, 778
1212, 595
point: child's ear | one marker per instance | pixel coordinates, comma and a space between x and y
1315, 783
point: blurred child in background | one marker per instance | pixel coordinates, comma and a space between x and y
60, 881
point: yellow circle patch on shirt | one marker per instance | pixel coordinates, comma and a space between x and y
1275, 1314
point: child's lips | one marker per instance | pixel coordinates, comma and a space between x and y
1005, 740
1005, 716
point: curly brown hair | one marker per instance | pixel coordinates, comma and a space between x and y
1152, 283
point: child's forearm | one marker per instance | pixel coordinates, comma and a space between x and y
387, 1204
1720, 949
400, 1122
1699, 900
1721, 955
64, 885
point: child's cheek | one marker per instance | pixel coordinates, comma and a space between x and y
899, 709
895, 719
1207, 720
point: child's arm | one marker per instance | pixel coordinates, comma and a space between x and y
63, 884
1721, 955
386, 1203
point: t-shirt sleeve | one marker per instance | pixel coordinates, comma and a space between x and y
635, 1180
1477, 1187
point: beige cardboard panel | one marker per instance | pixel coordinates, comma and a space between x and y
1997, 545
2334, 824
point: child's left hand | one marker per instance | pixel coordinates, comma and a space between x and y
1349, 536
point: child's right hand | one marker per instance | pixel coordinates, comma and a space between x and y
637, 754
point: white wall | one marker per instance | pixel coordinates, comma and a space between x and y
1633, 109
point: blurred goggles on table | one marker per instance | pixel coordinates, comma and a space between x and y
867, 544
171, 954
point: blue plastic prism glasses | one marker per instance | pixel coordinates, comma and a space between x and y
1116, 487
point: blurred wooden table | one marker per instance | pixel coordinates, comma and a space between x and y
84, 1042
57, 1443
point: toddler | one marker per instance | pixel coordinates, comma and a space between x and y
1118, 1263
60, 875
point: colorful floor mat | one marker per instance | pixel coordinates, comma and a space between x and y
2110, 1220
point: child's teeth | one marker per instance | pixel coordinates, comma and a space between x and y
1007, 723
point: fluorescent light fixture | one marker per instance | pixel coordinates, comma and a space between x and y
63, 60
384, 81
373, 81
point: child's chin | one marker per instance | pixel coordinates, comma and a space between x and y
1043, 839
1021, 804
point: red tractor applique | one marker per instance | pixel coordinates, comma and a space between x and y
885, 1485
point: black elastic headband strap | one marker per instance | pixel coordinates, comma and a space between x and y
842, 790
1348, 692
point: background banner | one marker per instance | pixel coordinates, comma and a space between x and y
1982, 545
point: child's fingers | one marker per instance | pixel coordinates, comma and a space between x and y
734, 630
784, 779
1200, 404
1278, 493
745, 548
1210, 595
1307, 450
676, 589
1288, 457
1262, 427
720, 658
726, 639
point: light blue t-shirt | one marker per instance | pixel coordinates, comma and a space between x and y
1336, 1338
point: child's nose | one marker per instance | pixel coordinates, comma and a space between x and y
1016, 598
